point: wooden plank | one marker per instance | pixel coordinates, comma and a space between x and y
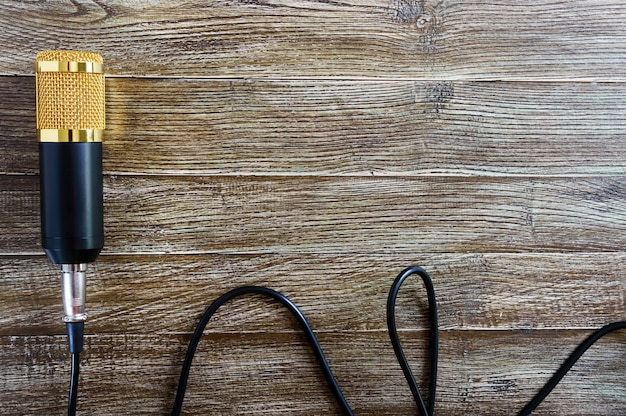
167, 294
200, 127
482, 39
338, 215
268, 372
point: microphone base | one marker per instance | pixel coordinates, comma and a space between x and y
73, 281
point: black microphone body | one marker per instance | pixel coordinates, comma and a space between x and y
72, 226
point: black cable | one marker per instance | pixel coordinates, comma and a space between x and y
75, 335
73, 391
306, 327
424, 409
567, 365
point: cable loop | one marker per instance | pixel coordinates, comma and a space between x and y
424, 409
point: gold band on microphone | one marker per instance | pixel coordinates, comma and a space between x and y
69, 135
69, 66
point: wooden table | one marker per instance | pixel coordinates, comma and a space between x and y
318, 148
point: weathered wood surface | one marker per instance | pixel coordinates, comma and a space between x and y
184, 214
547, 39
199, 127
166, 294
275, 373
318, 148
492, 311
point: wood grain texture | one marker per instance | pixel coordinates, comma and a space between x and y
318, 148
337, 293
267, 373
200, 127
487, 39
338, 215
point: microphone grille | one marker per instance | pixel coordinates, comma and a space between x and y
70, 90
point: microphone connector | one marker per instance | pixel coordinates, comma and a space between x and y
73, 278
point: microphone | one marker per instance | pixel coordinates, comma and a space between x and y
70, 124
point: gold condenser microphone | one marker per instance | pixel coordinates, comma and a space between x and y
70, 122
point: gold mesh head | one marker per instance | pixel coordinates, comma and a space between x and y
70, 90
